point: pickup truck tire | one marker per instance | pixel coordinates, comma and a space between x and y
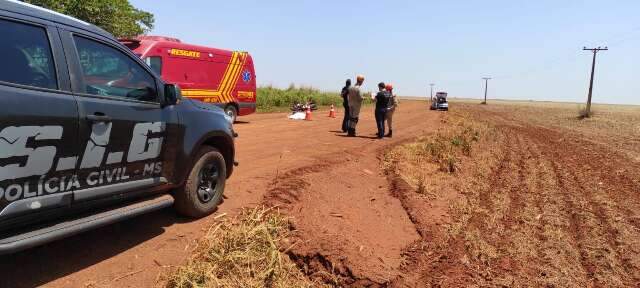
232, 112
203, 190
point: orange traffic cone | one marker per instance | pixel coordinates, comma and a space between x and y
332, 112
307, 115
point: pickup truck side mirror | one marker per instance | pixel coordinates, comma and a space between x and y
172, 94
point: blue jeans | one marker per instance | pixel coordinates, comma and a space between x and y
380, 115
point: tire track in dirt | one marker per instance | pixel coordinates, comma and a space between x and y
432, 260
350, 257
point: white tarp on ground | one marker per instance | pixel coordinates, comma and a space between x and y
297, 116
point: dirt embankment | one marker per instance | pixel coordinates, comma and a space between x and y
530, 205
349, 230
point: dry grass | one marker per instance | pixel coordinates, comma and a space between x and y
244, 252
529, 211
583, 113
617, 126
443, 151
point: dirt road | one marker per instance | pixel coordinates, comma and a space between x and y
540, 200
272, 152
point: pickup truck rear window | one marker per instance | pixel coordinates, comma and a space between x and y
26, 56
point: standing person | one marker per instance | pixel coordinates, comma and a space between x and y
355, 101
345, 104
393, 105
382, 104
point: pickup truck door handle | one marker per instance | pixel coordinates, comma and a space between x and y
98, 117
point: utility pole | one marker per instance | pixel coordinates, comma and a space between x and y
486, 84
593, 70
431, 98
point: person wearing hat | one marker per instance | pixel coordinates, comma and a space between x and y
382, 104
355, 102
345, 104
393, 104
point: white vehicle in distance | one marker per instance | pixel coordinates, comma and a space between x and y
439, 102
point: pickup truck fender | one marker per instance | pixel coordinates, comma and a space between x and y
202, 127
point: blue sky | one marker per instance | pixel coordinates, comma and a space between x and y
532, 49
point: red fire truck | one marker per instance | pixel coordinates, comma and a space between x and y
224, 78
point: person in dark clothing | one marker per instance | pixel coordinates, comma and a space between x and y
345, 104
393, 105
382, 103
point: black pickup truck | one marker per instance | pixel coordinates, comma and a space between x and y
90, 135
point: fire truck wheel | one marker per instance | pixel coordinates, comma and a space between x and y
203, 190
232, 112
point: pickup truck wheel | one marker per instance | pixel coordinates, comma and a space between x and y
232, 112
203, 190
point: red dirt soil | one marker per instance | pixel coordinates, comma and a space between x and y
539, 207
133, 253
530, 206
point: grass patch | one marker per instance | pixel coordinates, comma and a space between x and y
271, 99
446, 146
243, 252
438, 156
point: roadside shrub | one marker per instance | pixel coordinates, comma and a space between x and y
270, 98
449, 163
445, 147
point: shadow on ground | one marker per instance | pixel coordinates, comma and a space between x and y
38, 266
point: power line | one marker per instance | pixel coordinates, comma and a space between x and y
571, 56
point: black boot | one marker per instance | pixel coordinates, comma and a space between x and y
352, 132
390, 134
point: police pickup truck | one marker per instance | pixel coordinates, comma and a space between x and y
90, 135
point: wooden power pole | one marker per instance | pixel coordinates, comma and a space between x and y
593, 70
486, 84
431, 98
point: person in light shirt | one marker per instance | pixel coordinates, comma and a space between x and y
355, 102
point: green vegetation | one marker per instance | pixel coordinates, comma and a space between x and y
272, 99
118, 17
249, 251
